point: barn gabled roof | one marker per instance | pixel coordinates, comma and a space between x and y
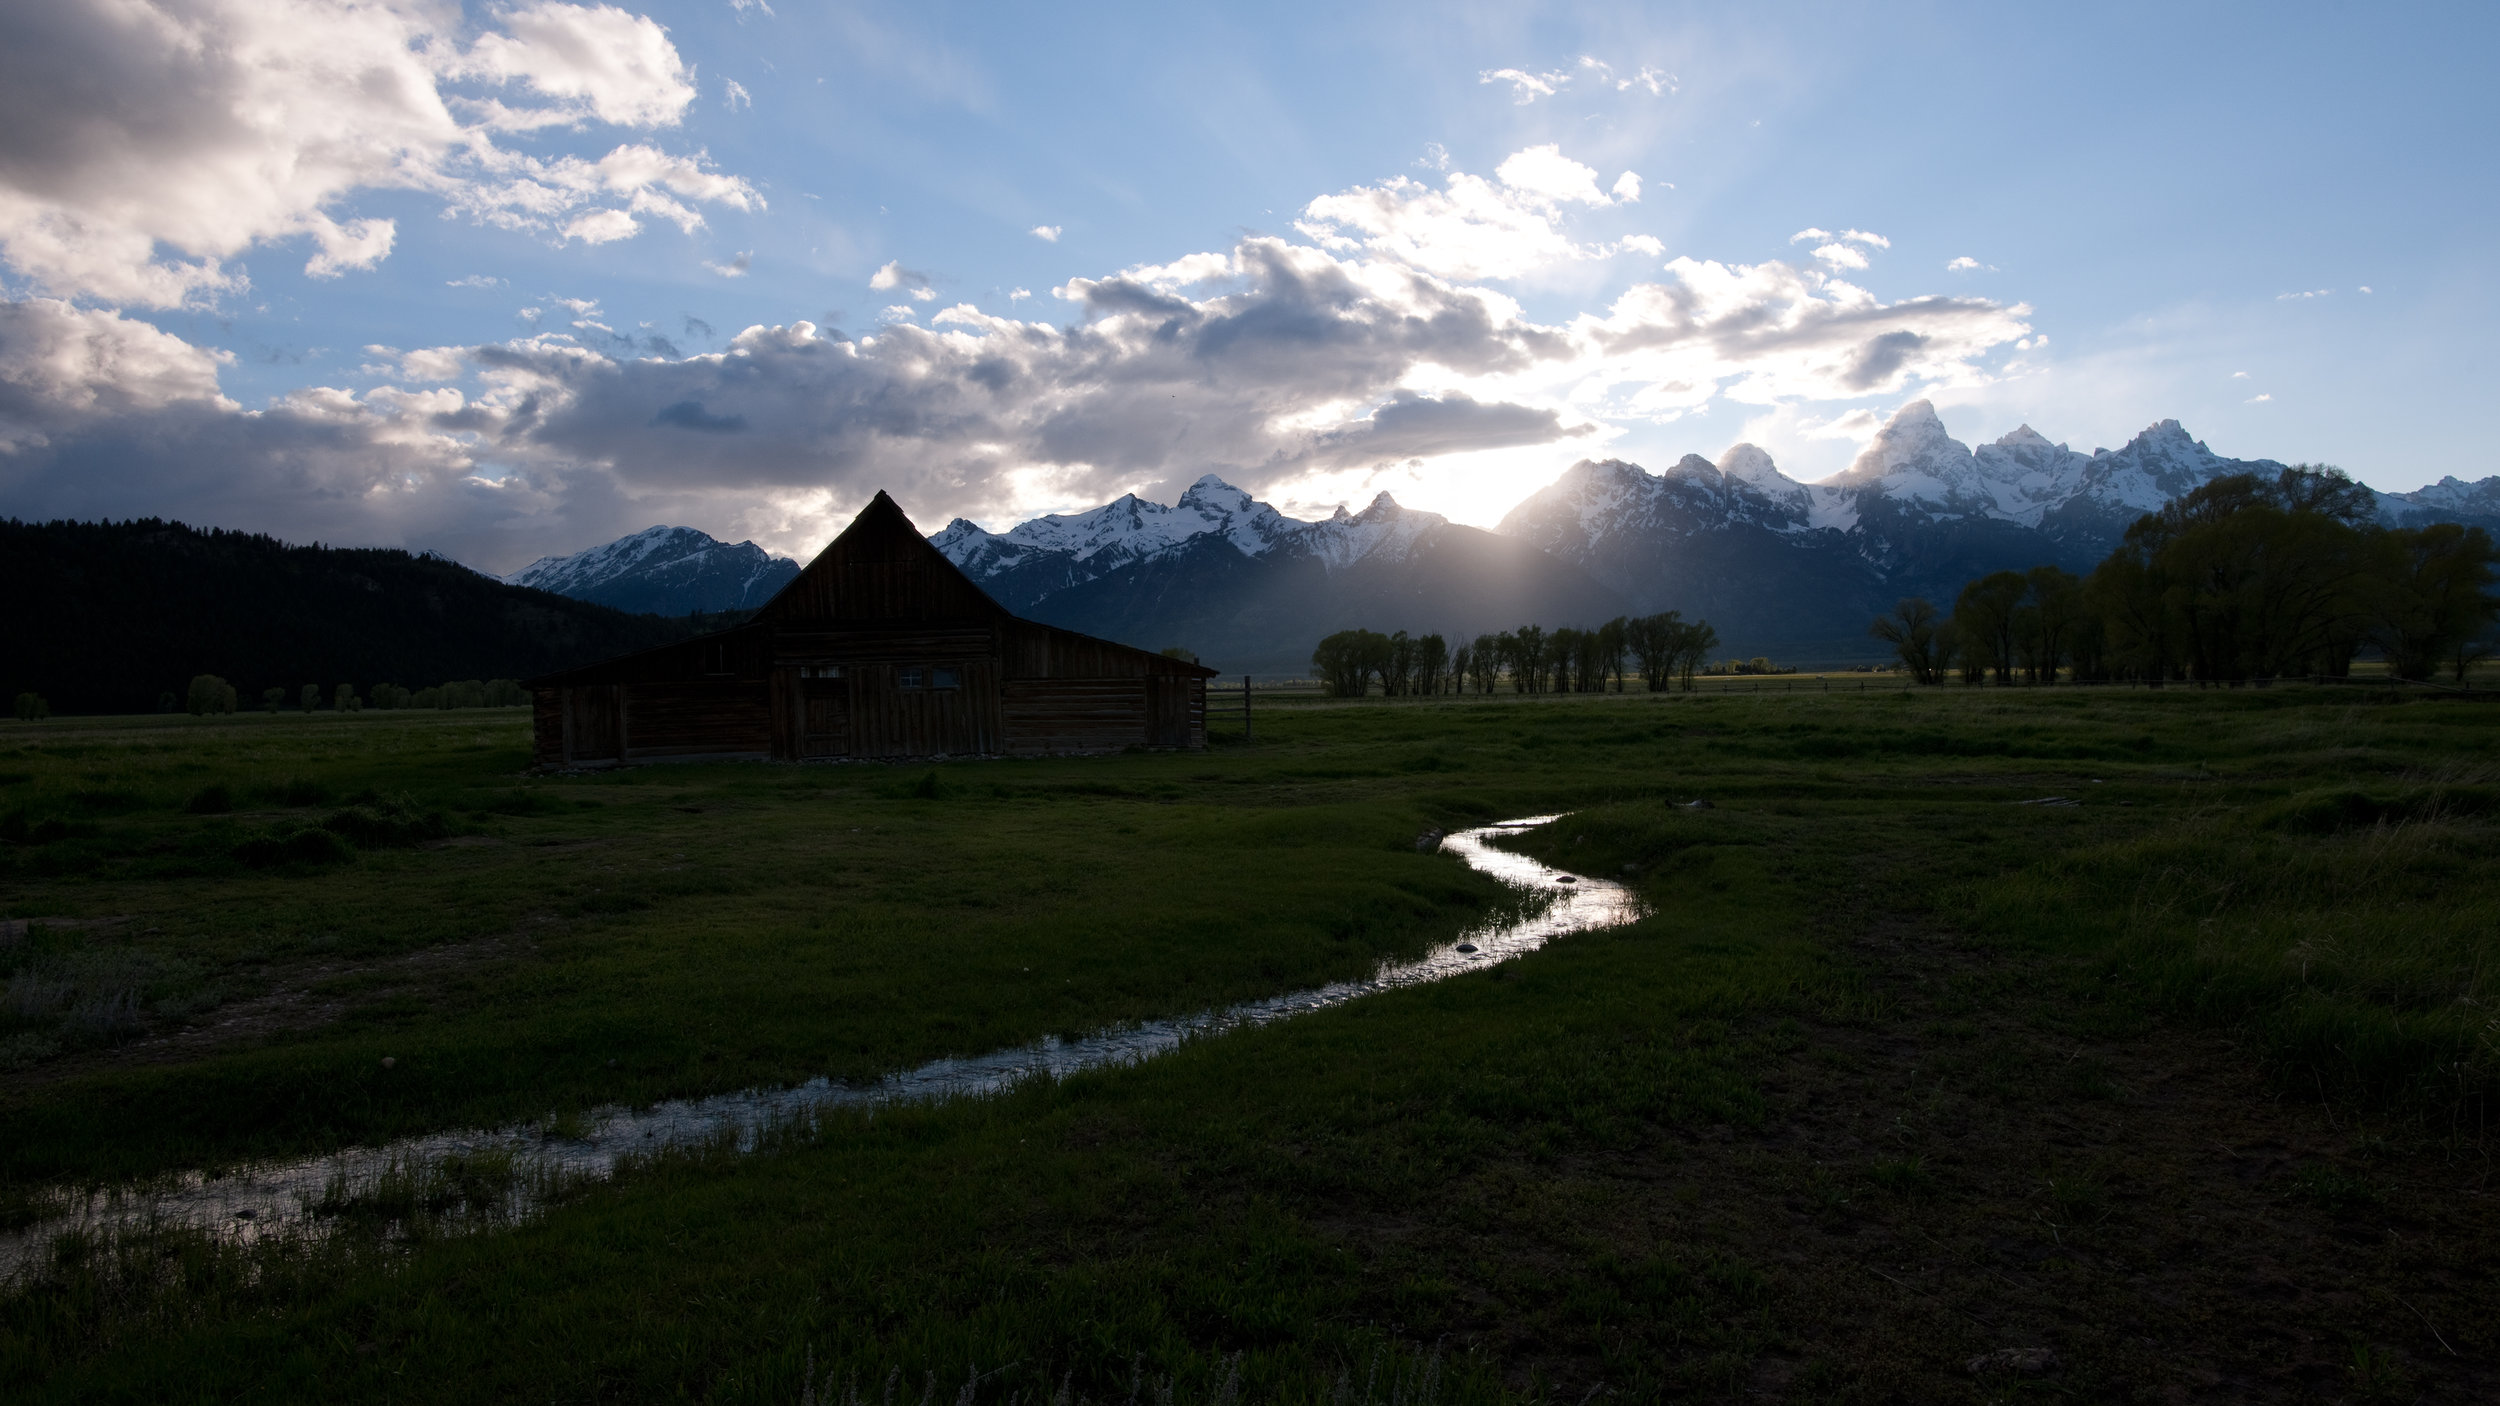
880, 570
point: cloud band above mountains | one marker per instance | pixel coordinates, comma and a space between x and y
1376, 338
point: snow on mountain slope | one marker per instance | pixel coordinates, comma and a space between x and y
2158, 465
1912, 467
664, 571
2449, 500
1066, 549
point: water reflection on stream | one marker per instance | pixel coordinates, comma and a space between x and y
277, 1198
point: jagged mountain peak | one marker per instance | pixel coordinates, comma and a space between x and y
1912, 454
664, 571
1750, 463
2024, 437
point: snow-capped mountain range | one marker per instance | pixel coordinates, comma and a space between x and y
1130, 529
664, 571
1779, 566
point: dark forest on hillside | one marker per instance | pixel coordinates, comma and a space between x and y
109, 617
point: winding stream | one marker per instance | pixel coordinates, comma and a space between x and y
276, 1198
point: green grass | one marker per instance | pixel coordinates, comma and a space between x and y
1899, 1072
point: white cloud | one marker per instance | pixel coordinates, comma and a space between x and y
1470, 228
1048, 234
594, 60
1967, 264
1544, 172
1649, 244
2365, 287
743, 6
1849, 236
1436, 157
152, 144
2259, 399
1627, 188
579, 307
734, 95
1658, 81
1526, 86
434, 363
1840, 256
1019, 295
894, 275
602, 227
736, 267
2239, 375
475, 280
899, 312
2297, 297
1857, 426
63, 368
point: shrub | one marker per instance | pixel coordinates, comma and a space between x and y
311, 845
386, 824
296, 791
31, 706
210, 694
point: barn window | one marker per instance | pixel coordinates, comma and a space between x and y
942, 678
908, 678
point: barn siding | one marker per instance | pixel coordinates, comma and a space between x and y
1075, 715
679, 719
547, 726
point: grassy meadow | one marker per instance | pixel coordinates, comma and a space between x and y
1981, 1044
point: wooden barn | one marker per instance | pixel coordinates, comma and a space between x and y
880, 649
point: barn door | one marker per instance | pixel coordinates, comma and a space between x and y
593, 725
1167, 710
825, 714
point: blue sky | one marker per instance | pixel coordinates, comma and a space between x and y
1324, 250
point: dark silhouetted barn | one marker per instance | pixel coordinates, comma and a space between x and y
880, 648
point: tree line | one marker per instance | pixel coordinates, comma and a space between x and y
2247, 577
1661, 650
209, 694
104, 617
